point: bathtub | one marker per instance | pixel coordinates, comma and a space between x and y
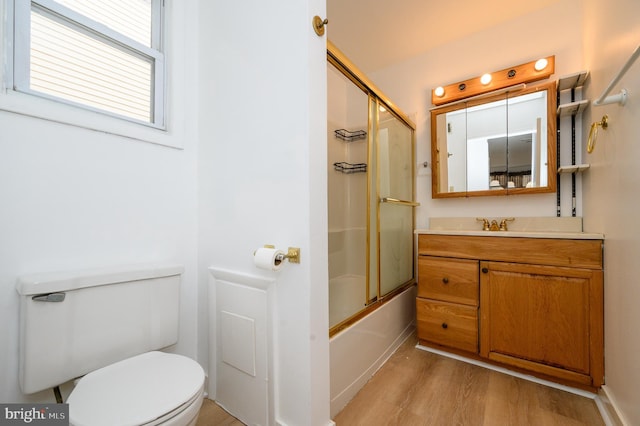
358, 351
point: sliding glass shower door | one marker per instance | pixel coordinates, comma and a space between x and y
347, 174
370, 149
396, 195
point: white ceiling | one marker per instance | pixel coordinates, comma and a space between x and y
374, 34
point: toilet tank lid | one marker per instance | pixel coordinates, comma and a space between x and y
51, 282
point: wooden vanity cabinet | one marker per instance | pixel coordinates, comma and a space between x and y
538, 302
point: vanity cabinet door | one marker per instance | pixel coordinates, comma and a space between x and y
543, 318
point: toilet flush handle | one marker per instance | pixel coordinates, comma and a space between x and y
50, 297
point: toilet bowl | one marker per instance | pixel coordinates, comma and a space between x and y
106, 326
153, 388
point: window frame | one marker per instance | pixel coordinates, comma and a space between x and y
17, 55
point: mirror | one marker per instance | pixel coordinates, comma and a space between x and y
498, 145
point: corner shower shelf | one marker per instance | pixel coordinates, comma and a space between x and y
350, 136
349, 168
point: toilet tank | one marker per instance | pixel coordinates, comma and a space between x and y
75, 322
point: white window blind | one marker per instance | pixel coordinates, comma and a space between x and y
102, 55
131, 18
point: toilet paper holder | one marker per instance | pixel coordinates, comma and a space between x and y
293, 254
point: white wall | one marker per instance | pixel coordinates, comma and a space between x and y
611, 34
255, 75
263, 174
73, 198
554, 30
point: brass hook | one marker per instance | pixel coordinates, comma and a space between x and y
593, 133
318, 25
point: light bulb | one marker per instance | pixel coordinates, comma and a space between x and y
485, 79
541, 64
439, 91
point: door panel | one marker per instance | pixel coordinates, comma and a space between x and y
536, 313
395, 189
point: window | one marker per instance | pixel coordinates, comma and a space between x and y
103, 55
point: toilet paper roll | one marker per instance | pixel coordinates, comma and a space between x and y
268, 258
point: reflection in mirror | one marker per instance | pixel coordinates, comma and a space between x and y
484, 123
511, 168
503, 144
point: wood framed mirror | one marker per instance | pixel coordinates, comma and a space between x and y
503, 144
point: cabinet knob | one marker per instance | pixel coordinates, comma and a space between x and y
444, 325
445, 280
485, 270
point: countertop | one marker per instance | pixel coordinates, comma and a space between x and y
514, 234
569, 228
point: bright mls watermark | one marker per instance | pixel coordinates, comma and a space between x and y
34, 414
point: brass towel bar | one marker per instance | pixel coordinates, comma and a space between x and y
401, 202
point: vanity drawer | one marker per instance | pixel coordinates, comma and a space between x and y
448, 324
450, 280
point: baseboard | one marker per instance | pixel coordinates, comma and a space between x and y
534, 379
329, 423
608, 408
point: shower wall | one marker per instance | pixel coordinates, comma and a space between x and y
347, 109
347, 205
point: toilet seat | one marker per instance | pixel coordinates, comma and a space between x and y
184, 415
144, 389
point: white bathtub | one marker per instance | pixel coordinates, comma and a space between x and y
357, 352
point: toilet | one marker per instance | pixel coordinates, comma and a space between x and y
105, 327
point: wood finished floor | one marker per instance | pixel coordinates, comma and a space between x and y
212, 415
418, 388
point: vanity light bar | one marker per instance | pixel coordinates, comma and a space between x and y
510, 89
524, 73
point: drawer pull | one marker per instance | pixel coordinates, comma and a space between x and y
444, 325
485, 270
445, 280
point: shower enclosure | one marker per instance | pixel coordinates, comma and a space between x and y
370, 195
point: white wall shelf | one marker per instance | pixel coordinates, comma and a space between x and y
576, 168
572, 81
573, 108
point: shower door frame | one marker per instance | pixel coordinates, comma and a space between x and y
376, 99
